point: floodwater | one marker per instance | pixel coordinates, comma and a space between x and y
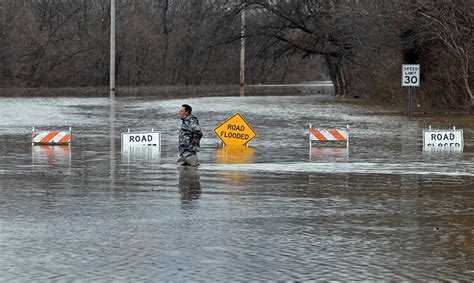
276, 210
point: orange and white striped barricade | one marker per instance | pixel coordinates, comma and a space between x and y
51, 137
329, 135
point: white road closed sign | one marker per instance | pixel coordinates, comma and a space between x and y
141, 139
411, 75
443, 140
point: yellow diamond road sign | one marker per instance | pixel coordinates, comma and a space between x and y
235, 131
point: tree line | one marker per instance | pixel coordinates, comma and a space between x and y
359, 45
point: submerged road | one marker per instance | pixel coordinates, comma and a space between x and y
276, 210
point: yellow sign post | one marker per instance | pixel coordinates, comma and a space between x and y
235, 131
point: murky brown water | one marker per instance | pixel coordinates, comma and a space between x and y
381, 210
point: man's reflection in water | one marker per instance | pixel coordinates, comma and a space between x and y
189, 185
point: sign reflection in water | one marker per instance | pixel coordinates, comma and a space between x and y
141, 154
51, 155
235, 155
328, 154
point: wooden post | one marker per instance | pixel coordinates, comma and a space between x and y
112, 45
309, 132
242, 53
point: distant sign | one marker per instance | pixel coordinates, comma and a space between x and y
443, 140
134, 139
235, 131
411, 75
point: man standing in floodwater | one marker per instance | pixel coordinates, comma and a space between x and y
189, 136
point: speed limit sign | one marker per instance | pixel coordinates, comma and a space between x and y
411, 75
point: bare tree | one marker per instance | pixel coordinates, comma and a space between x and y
187, 42
303, 27
450, 23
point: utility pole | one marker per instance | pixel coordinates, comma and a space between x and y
112, 94
242, 53
112, 46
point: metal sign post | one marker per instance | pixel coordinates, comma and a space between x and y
410, 79
410, 102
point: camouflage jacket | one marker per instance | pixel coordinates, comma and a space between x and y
189, 135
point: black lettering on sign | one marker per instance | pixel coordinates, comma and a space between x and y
235, 127
141, 138
235, 135
443, 137
451, 144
